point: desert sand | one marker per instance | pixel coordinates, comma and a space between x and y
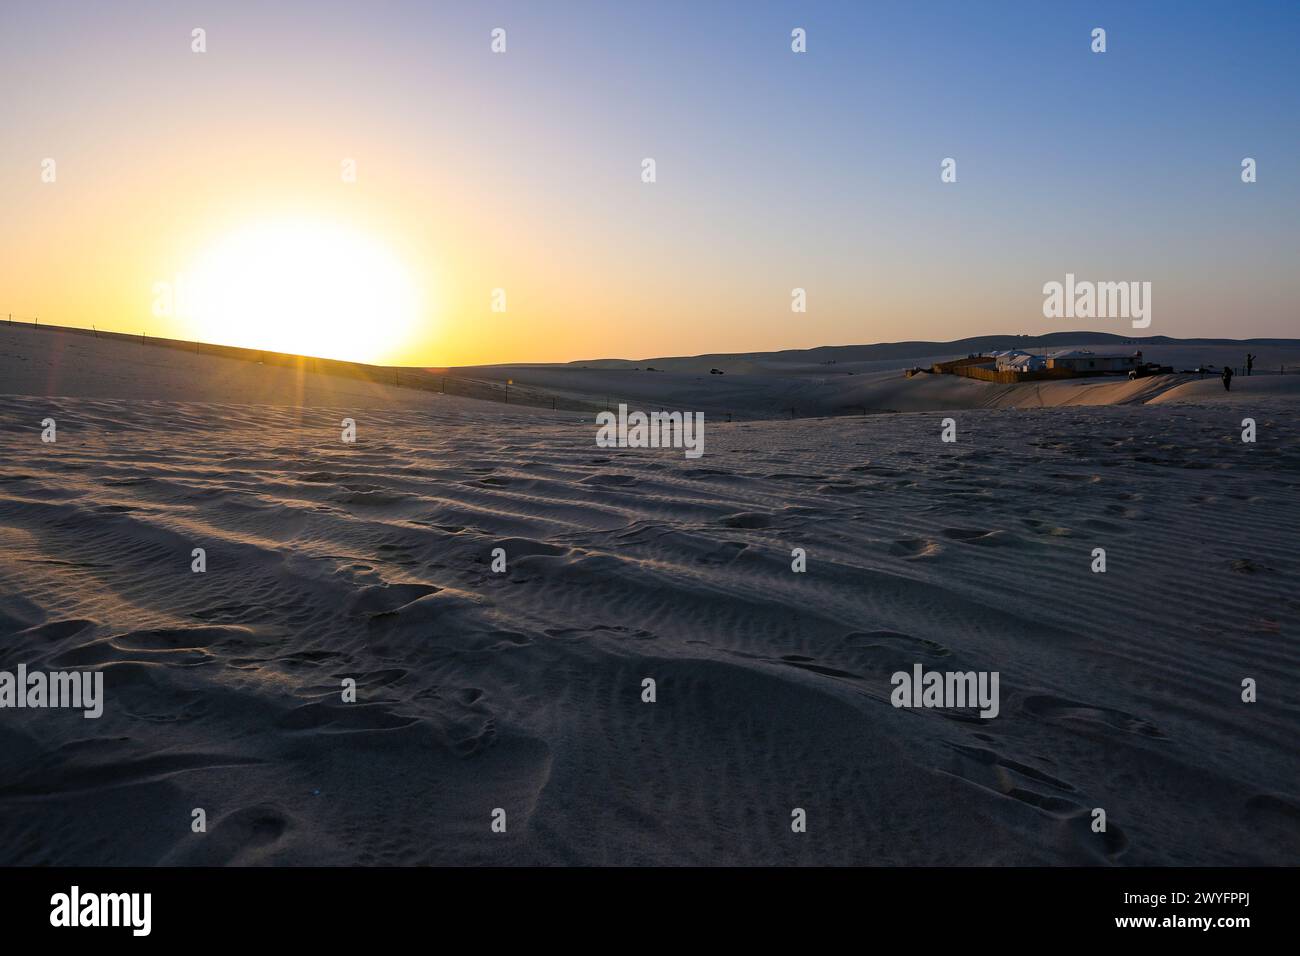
523, 690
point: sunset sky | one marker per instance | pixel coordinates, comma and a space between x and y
522, 171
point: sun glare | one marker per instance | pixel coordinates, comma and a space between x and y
308, 288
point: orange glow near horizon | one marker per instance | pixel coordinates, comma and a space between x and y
311, 288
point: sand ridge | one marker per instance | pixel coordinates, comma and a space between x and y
522, 690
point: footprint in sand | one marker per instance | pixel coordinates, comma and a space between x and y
1057, 709
748, 519
239, 838
912, 548
992, 771
977, 536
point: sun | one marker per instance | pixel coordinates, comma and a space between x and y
308, 288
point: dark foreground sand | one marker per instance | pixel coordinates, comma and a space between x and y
522, 690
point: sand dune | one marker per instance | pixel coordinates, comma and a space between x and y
522, 690
781, 385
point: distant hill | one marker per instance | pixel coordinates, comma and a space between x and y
923, 348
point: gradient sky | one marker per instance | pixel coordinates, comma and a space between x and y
775, 170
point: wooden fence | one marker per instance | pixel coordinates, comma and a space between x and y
1011, 377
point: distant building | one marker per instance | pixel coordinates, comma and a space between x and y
1084, 360
1014, 365
1013, 360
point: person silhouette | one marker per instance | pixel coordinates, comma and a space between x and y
1227, 378
1250, 363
